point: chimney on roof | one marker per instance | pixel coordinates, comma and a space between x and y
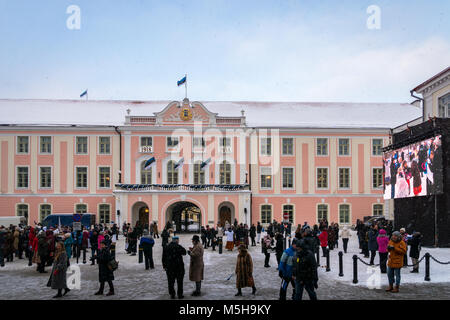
242, 112
128, 111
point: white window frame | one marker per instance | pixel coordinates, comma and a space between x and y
261, 146
76, 145
28, 208
349, 178
80, 203
224, 149
51, 145
372, 175
17, 145
349, 147
372, 145
174, 149
317, 178
110, 212
317, 211
377, 204
17, 176
76, 178
260, 213
110, 145
51, 177
293, 212
328, 147
293, 147
39, 209
349, 213
293, 178
261, 169
98, 178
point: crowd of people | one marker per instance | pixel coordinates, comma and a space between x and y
295, 251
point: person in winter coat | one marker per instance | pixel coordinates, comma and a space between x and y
397, 249
155, 230
304, 271
68, 242
93, 239
279, 248
244, 271
165, 237
258, 232
2, 245
100, 238
372, 243
42, 251
405, 237
323, 238
84, 243
30, 245
382, 241
365, 241
105, 274
266, 246
345, 235
253, 234
58, 280
285, 270
414, 252
16, 236
196, 265
173, 264
147, 243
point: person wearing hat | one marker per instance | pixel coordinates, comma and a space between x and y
172, 261
383, 241
304, 271
68, 242
105, 274
147, 243
285, 269
244, 271
405, 237
414, 252
397, 249
196, 265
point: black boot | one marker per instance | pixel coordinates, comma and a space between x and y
59, 295
253, 290
66, 290
239, 293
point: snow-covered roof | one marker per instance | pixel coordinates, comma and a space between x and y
258, 114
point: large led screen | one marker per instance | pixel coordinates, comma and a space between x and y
414, 170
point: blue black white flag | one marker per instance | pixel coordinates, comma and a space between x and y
182, 81
205, 163
83, 94
149, 163
179, 163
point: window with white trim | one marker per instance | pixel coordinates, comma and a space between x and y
344, 147
444, 106
104, 212
22, 177
288, 178
172, 173
44, 211
377, 147
322, 212
146, 141
288, 209
377, 209
344, 178
82, 177
344, 213
225, 173
82, 145
22, 211
146, 174
81, 208
377, 178
45, 174
266, 146
46, 144
322, 178
287, 146
22, 144
104, 177
266, 213
199, 174
104, 145
322, 146
172, 142
266, 177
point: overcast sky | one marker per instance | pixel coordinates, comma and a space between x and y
277, 50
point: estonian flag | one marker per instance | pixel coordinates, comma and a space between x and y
83, 94
205, 163
182, 81
179, 163
149, 163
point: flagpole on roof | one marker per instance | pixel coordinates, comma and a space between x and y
185, 85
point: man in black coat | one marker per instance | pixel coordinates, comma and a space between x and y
253, 234
304, 272
173, 264
258, 232
414, 252
105, 274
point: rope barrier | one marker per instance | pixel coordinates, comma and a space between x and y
436, 260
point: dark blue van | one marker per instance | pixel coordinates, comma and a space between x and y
66, 219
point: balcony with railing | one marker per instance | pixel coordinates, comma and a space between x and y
182, 187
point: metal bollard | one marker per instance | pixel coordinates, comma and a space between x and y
341, 264
84, 255
318, 256
328, 260
427, 266
220, 245
141, 254
284, 243
289, 242
113, 251
355, 268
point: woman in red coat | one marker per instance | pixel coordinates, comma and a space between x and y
323, 237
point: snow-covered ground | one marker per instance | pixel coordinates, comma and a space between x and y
132, 281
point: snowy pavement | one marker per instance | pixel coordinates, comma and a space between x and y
132, 281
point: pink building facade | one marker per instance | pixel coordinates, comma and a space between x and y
211, 162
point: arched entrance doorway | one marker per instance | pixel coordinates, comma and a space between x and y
226, 213
140, 213
184, 216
